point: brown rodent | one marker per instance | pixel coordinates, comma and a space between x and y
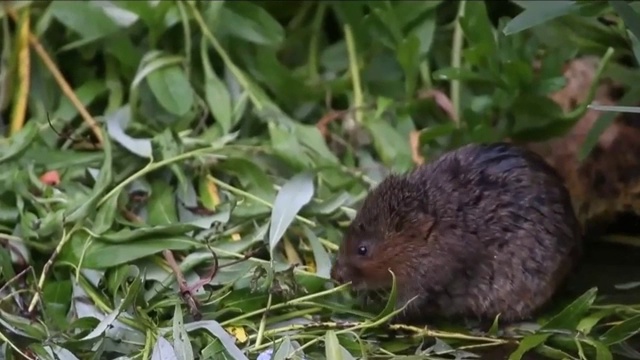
482, 230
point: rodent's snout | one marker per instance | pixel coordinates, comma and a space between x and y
338, 271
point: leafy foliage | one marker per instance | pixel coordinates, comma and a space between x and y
151, 141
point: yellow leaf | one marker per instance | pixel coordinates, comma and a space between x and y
310, 262
238, 333
291, 253
236, 237
209, 196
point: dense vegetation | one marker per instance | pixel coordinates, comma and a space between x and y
150, 144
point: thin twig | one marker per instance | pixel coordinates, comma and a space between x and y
185, 292
15, 278
49, 264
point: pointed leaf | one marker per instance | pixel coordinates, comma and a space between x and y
293, 195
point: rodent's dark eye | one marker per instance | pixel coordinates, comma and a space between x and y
362, 250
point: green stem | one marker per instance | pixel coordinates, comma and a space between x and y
154, 166
284, 304
313, 44
456, 61
240, 76
358, 99
263, 321
240, 192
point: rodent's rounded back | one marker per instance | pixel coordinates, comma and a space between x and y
473, 229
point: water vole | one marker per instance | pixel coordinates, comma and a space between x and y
482, 230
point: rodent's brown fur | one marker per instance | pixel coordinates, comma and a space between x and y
481, 231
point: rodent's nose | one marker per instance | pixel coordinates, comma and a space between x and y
337, 272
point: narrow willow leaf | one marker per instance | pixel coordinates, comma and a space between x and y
293, 195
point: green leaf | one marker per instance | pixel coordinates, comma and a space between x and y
390, 145
311, 138
216, 93
570, 316
288, 146
333, 349
604, 121
538, 12
460, 74
528, 343
78, 211
123, 253
181, 342
162, 204
250, 175
87, 93
163, 350
285, 351
391, 301
172, 89
216, 330
628, 15
602, 352
23, 326
106, 215
85, 18
433, 132
56, 296
425, 31
250, 22
635, 46
320, 255
621, 331
477, 27
116, 123
127, 235
587, 323
19, 142
408, 56
105, 323
293, 195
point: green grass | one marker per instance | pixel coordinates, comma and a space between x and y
235, 140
